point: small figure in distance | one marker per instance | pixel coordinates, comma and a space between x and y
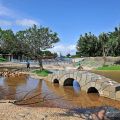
79, 66
28, 65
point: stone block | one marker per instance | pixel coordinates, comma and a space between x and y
88, 78
67, 76
112, 88
78, 78
112, 95
92, 84
94, 78
71, 75
98, 86
103, 85
84, 77
107, 88
117, 99
82, 82
75, 75
101, 93
106, 94
118, 95
84, 88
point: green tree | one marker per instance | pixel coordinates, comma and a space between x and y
68, 55
115, 42
39, 39
104, 41
22, 46
87, 45
7, 41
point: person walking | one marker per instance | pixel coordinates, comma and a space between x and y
28, 65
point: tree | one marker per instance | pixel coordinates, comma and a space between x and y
115, 42
39, 39
22, 46
68, 55
87, 45
104, 41
7, 41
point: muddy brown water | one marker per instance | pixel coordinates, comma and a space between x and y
33, 92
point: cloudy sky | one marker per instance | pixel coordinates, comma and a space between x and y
69, 18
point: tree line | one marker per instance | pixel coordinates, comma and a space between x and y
31, 42
105, 44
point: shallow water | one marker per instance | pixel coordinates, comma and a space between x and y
35, 93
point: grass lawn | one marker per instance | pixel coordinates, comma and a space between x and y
2, 59
113, 67
42, 73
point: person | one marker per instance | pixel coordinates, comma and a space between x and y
79, 66
28, 65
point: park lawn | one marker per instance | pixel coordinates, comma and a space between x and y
2, 59
42, 73
113, 67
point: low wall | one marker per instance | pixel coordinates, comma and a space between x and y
108, 59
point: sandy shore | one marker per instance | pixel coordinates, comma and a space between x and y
9, 111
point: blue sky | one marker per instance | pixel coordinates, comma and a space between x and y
69, 18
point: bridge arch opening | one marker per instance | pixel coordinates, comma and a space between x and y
71, 82
56, 81
68, 82
93, 90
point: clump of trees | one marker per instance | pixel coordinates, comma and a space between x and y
32, 42
106, 44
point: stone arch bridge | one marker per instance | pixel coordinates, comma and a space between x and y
89, 82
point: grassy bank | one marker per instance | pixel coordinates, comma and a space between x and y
2, 59
112, 67
42, 73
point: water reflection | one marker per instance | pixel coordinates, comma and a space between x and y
76, 86
43, 93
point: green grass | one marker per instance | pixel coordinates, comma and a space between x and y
42, 73
2, 59
112, 67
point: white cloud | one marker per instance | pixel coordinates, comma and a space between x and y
5, 23
17, 20
4, 11
26, 22
64, 49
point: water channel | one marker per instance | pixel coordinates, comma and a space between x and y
35, 93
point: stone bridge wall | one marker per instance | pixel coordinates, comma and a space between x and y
105, 86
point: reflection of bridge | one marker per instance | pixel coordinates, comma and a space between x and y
89, 82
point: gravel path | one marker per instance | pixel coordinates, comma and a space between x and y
9, 111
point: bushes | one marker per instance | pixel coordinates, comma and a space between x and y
2, 59
42, 73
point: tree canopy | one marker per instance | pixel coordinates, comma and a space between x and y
30, 42
106, 44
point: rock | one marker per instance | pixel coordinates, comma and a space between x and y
101, 114
22, 115
42, 119
114, 116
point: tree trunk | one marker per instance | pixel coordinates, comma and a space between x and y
40, 64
